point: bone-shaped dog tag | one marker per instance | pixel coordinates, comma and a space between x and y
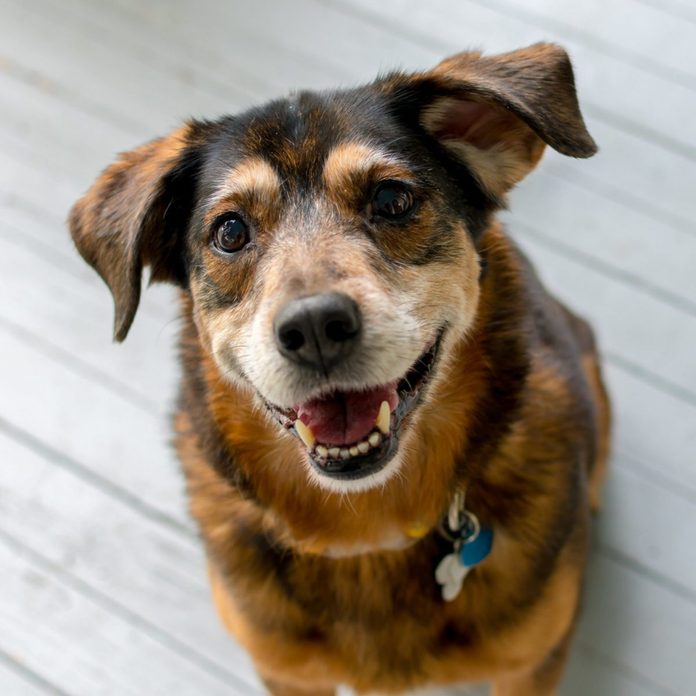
450, 573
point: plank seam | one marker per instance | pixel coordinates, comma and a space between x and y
106, 486
115, 608
624, 669
77, 366
582, 258
660, 383
665, 72
615, 194
29, 675
664, 582
669, 7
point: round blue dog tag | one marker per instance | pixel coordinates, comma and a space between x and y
474, 551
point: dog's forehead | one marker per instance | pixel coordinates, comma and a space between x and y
296, 137
296, 130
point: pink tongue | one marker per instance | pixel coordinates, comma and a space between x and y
346, 417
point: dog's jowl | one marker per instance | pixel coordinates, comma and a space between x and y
392, 435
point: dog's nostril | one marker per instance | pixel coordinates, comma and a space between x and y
340, 330
292, 339
318, 330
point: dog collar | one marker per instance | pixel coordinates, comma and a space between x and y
471, 544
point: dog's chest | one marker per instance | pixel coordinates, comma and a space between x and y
374, 617
358, 610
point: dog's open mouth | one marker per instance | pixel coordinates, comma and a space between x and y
353, 434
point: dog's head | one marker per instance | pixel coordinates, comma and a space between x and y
329, 241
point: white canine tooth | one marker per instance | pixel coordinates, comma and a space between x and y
345, 454
334, 452
374, 439
322, 451
305, 433
363, 447
383, 417
354, 451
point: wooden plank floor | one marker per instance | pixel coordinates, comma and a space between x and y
101, 575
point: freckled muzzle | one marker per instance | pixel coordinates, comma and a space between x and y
353, 434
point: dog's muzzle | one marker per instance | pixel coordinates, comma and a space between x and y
349, 434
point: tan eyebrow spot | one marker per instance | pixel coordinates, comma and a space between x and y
253, 178
350, 161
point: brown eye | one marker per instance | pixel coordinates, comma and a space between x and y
392, 200
230, 234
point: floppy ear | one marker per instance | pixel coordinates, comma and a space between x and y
497, 113
134, 215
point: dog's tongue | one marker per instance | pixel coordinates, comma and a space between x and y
346, 417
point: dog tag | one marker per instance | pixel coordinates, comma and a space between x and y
450, 574
471, 545
474, 551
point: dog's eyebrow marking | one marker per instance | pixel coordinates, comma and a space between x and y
253, 177
348, 159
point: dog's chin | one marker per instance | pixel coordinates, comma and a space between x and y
366, 453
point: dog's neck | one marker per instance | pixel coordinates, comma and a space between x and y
261, 468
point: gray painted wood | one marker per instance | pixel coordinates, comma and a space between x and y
145, 568
82, 647
76, 417
17, 680
86, 471
603, 26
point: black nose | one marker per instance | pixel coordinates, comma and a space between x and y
318, 331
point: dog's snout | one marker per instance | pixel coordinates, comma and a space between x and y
318, 331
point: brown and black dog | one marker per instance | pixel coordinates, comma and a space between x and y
362, 345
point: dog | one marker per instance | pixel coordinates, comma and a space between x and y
393, 436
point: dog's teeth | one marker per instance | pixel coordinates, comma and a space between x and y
305, 433
383, 418
345, 454
354, 451
334, 452
374, 439
363, 447
322, 451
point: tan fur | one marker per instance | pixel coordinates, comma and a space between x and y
349, 165
501, 155
310, 521
603, 424
326, 580
253, 186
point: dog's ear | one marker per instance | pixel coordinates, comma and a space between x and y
497, 113
134, 215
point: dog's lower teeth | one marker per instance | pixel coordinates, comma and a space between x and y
308, 438
362, 447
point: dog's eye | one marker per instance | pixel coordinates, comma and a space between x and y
392, 200
230, 234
